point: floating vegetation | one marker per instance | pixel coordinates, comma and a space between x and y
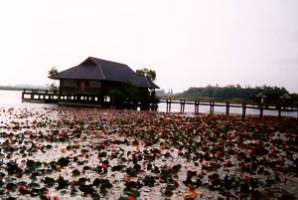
72, 153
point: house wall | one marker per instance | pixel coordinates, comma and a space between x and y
102, 89
80, 86
68, 83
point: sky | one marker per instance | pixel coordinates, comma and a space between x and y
187, 42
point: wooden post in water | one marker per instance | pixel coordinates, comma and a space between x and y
32, 95
156, 106
212, 107
279, 109
227, 108
243, 110
181, 105
261, 110
167, 102
197, 106
23, 94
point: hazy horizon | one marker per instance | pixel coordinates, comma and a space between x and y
189, 44
160, 89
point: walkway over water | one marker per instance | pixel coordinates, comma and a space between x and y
164, 105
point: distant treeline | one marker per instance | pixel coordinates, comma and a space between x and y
233, 92
22, 87
10, 88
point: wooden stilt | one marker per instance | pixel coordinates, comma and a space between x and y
181, 105
167, 102
227, 108
261, 110
211, 107
243, 110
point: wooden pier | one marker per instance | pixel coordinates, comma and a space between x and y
212, 104
45, 96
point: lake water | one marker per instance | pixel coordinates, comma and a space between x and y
14, 99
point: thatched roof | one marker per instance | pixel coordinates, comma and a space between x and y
103, 70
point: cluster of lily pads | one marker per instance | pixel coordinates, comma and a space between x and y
72, 153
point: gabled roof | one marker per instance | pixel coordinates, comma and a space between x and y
103, 70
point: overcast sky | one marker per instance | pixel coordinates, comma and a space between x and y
187, 42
